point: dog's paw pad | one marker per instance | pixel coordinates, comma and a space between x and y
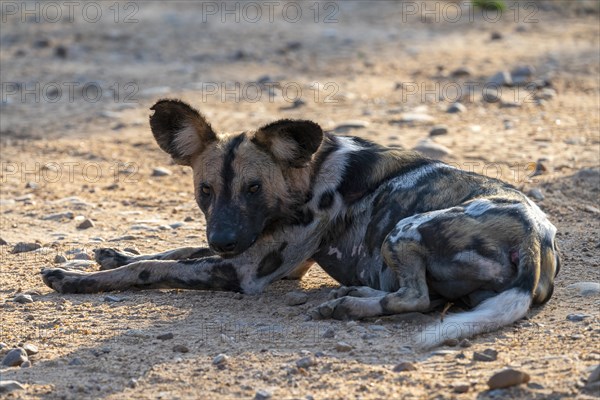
109, 258
64, 281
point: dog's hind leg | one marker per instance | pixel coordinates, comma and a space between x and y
110, 258
407, 259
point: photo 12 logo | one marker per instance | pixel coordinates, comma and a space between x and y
270, 11
71, 92
69, 11
264, 90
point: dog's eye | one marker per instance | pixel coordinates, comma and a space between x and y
253, 188
205, 190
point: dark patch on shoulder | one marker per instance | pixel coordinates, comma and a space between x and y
144, 275
271, 262
357, 179
407, 227
326, 200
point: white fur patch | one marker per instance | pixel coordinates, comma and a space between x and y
493, 313
336, 251
187, 141
415, 221
283, 149
409, 180
478, 207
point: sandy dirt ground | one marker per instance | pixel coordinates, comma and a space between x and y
76, 142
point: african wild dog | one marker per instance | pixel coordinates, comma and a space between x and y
400, 231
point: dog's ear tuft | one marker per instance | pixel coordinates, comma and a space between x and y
291, 142
180, 130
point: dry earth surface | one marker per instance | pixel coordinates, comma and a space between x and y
370, 66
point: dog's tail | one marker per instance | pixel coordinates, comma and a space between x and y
503, 309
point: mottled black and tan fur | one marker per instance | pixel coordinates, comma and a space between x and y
398, 230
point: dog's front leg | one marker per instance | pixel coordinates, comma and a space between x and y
110, 258
212, 273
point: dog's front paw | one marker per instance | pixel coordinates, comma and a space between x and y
109, 258
337, 309
64, 281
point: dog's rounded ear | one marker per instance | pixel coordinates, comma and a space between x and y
291, 142
180, 130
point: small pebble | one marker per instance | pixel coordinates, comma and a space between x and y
85, 224
502, 78
76, 361
26, 364
295, 298
179, 348
165, 336
59, 259
306, 362
585, 288
220, 359
438, 130
159, 171
487, 355
3, 242
593, 380
465, 343
591, 209
545, 94
451, 342
60, 51
23, 298
329, 333
14, 358
576, 336
113, 299
496, 36
133, 383
82, 256
461, 387
30, 349
343, 347
346, 126
262, 394
404, 366
24, 247
10, 386
577, 317
188, 219
461, 72
507, 378
536, 194
429, 148
456, 108
410, 118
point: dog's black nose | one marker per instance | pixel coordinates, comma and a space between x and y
223, 242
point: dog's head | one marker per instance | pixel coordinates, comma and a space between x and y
243, 183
